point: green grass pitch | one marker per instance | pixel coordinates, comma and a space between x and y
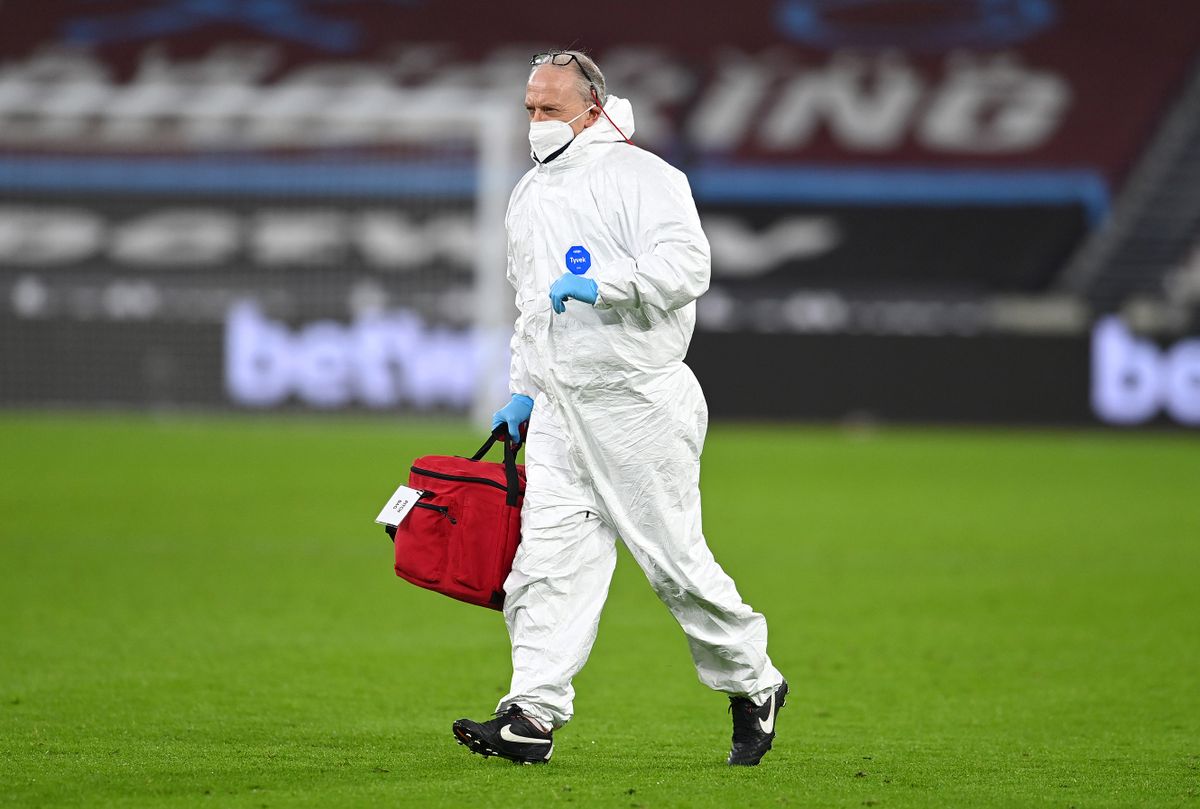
200, 612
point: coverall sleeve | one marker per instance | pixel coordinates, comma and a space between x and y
518, 370
671, 267
518, 373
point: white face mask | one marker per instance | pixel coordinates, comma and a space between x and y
548, 137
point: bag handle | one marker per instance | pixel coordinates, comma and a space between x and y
510, 461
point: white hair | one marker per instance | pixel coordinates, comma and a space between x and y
586, 78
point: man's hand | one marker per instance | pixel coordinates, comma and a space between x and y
572, 287
514, 414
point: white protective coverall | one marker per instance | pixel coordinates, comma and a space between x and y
618, 421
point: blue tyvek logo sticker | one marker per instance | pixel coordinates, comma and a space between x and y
579, 260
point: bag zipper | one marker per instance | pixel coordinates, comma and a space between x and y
443, 510
463, 478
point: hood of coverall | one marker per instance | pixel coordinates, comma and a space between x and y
601, 132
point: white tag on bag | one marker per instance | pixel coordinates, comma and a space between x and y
398, 506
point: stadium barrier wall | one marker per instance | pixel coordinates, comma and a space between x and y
394, 364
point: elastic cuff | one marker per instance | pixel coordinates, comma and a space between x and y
761, 696
613, 295
614, 288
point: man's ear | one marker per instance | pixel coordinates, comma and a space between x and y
592, 117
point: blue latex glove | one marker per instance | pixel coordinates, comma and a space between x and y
570, 287
514, 414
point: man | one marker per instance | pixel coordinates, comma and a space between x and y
607, 257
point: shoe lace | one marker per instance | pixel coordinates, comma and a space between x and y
515, 712
745, 719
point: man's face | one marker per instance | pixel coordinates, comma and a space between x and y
553, 95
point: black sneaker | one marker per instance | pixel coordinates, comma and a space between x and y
511, 735
754, 726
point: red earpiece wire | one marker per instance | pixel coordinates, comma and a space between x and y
596, 98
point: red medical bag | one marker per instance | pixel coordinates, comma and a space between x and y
461, 535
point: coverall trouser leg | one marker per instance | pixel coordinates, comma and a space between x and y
559, 580
652, 498
564, 566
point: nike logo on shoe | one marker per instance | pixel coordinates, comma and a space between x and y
754, 726
768, 724
508, 736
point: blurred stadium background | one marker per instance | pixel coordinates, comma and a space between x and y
968, 210
229, 229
